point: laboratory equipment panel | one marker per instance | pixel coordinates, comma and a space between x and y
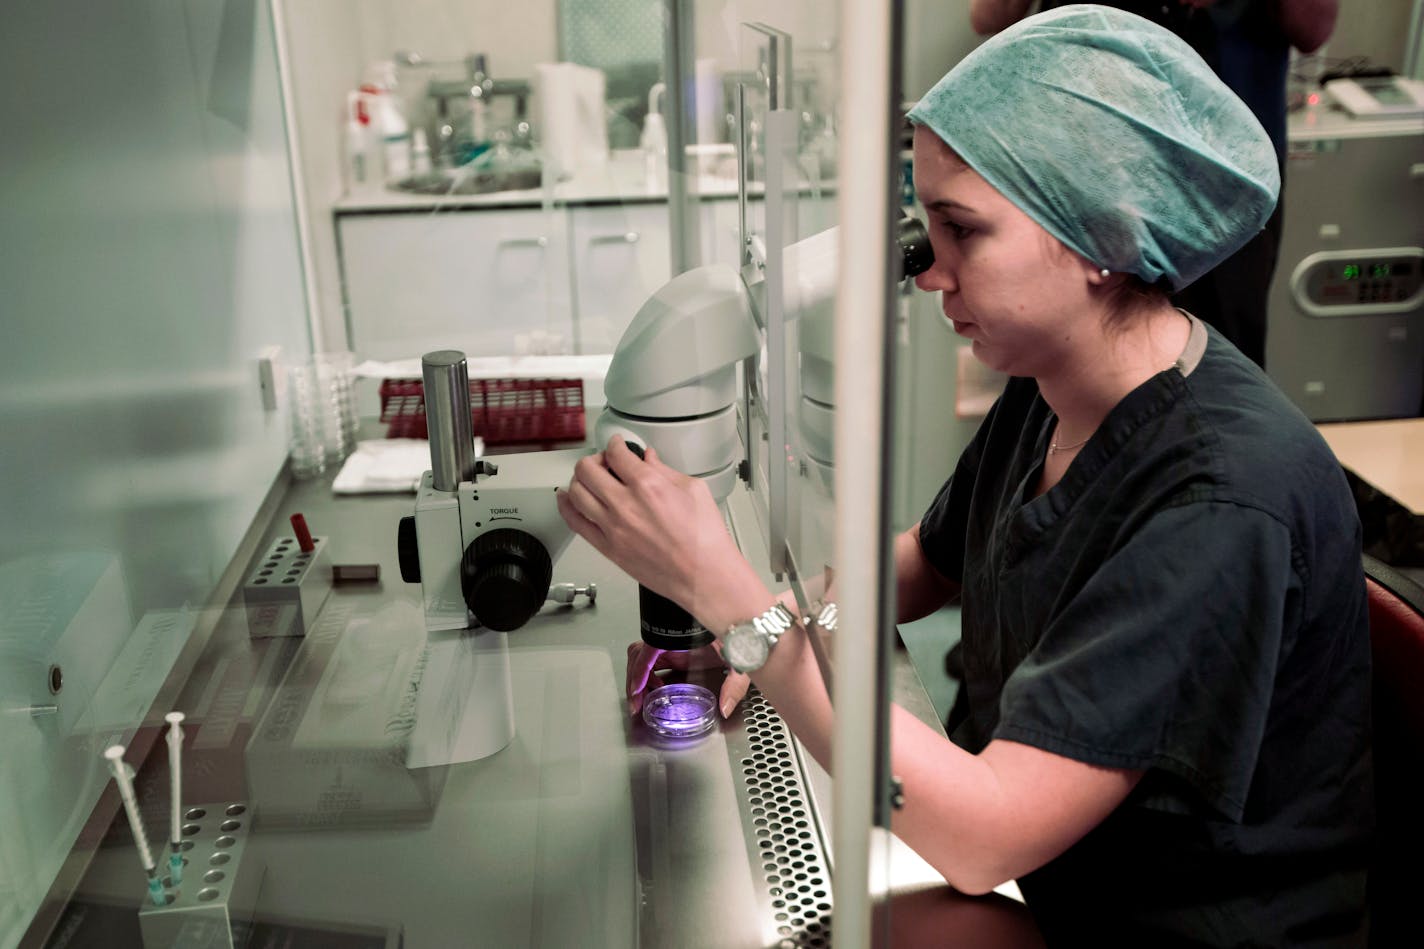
1345, 337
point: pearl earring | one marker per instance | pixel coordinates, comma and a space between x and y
1104, 273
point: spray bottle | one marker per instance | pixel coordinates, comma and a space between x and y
359, 174
388, 120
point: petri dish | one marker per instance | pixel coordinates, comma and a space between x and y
680, 710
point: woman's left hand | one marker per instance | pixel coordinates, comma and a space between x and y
660, 526
703, 666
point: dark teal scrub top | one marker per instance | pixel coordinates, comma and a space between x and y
1188, 601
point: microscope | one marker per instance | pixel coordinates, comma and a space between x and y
673, 381
483, 545
483, 549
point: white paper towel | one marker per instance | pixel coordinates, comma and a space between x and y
388, 465
572, 129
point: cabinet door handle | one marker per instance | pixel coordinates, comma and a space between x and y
631, 237
524, 242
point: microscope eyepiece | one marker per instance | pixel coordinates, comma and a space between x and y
916, 255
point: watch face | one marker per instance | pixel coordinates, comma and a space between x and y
745, 648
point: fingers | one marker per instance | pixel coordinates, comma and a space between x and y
574, 516
645, 660
592, 472
734, 689
624, 464
642, 661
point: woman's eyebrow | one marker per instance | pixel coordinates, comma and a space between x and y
946, 204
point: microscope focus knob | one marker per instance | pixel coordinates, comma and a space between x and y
408, 550
505, 576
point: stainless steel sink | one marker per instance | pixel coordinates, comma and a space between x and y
464, 181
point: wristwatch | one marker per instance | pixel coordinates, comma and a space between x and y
746, 646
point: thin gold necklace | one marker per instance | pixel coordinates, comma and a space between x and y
1054, 448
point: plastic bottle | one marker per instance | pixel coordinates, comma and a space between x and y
358, 143
392, 131
420, 153
654, 143
389, 120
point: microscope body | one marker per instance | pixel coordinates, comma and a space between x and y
483, 552
486, 550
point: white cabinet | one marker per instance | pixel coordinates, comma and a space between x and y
507, 281
721, 223
620, 256
486, 282
721, 235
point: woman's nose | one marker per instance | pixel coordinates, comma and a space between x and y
940, 276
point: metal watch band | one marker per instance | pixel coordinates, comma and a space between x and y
774, 622
824, 615
763, 630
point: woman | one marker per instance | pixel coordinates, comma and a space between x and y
1165, 732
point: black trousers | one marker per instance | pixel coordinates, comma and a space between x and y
1232, 296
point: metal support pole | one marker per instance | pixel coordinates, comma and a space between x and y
864, 339
679, 60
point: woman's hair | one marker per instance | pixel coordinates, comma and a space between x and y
1131, 297
1124, 300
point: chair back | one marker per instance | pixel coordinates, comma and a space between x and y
1396, 606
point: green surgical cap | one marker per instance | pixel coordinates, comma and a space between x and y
1115, 136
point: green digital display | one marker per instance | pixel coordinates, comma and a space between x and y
1379, 270
1350, 272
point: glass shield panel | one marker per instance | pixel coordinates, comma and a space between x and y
785, 98
141, 287
364, 765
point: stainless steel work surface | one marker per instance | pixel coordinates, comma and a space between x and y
586, 830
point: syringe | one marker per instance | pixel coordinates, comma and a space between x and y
124, 779
175, 793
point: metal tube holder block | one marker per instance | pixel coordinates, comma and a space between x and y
287, 588
213, 909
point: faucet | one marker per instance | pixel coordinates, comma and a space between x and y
477, 90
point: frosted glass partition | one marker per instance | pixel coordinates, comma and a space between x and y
149, 255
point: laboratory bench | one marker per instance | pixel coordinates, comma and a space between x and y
622, 179
586, 830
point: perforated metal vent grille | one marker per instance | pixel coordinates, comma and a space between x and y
790, 858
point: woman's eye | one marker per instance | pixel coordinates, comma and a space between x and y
956, 230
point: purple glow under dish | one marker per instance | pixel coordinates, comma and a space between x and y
680, 710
